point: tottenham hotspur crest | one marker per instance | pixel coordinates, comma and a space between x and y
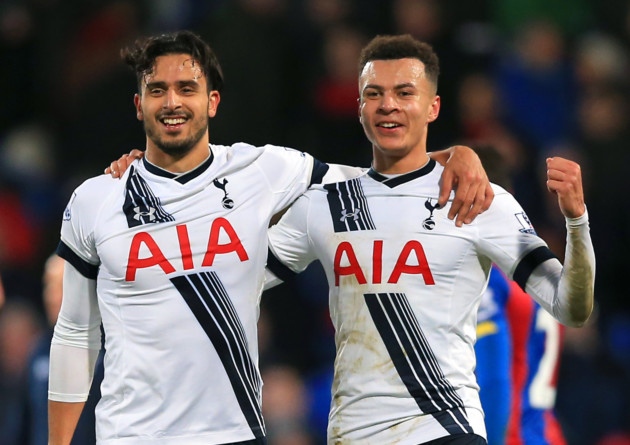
226, 201
429, 223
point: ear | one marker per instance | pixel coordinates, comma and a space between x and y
213, 103
136, 101
434, 110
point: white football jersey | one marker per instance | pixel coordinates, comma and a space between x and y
179, 265
405, 284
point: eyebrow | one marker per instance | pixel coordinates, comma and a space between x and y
396, 87
179, 83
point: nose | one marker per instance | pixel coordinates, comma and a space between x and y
171, 99
388, 103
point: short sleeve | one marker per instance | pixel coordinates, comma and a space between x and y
507, 236
77, 227
289, 242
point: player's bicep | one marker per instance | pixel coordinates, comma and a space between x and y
79, 318
289, 244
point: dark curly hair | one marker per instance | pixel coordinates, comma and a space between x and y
393, 47
142, 54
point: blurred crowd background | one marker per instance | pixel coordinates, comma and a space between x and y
532, 78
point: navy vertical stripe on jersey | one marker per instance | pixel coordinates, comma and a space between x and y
141, 205
415, 362
212, 307
348, 207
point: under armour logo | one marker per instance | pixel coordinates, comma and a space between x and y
429, 223
354, 215
226, 201
139, 214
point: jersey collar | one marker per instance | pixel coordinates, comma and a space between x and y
404, 178
182, 178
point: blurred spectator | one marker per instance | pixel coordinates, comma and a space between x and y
19, 328
285, 406
600, 59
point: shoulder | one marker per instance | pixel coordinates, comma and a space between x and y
499, 191
241, 154
95, 189
243, 149
503, 201
92, 195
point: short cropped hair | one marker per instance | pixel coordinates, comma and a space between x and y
404, 46
142, 54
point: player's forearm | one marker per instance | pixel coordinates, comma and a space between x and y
62, 421
576, 290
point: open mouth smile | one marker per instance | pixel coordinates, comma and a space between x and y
173, 122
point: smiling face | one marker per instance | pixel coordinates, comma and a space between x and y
397, 104
175, 105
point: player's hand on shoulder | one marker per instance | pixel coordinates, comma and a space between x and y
564, 178
464, 173
118, 167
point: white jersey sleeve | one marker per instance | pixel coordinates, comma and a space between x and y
289, 241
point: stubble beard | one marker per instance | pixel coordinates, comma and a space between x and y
177, 148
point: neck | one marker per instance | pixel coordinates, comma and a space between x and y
178, 162
388, 164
